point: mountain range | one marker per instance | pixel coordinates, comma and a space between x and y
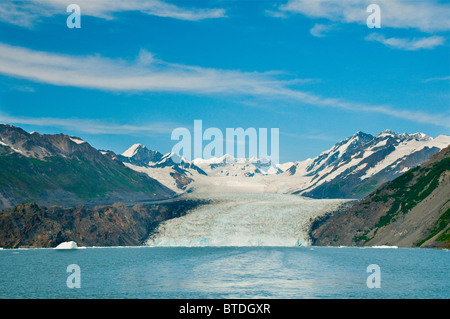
352, 168
65, 170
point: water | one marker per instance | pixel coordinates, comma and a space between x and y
225, 272
241, 219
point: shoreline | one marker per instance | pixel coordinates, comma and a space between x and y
33, 226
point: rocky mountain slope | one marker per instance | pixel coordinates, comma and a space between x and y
30, 225
413, 210
59, 169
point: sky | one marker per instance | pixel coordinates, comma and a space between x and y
136, 70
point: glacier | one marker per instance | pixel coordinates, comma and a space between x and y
244, 219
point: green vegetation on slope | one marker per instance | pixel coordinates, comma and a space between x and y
440, 225
408, 192
403, 194
85, 178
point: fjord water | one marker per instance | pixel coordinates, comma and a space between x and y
225, 272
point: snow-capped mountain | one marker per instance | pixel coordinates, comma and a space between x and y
352, 168
139, 155
178, 163
359, 164
35, 145
227, 165
172, 170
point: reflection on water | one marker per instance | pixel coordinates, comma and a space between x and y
255, 273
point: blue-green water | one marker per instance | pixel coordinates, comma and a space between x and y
225, 272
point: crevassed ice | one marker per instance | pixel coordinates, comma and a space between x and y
237, 219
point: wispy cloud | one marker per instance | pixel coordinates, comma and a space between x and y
444, 78
148, 73
428, 16
28, 13
407, 44
90, 126
415, 116
321, 30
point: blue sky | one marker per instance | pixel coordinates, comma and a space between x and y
136, 70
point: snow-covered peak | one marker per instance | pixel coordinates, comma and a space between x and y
228, 159
214, 160
75, 140
386, 133
133, 150
284, 166
420, 136
174, 158
404, 136
271, 170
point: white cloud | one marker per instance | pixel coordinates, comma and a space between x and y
148, 73
320, 30
118, 75
444, 78
407, 44
91, 126
28, 13
428, 16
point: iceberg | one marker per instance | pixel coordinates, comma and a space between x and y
67, 245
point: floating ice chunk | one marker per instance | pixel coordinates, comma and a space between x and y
67, 245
